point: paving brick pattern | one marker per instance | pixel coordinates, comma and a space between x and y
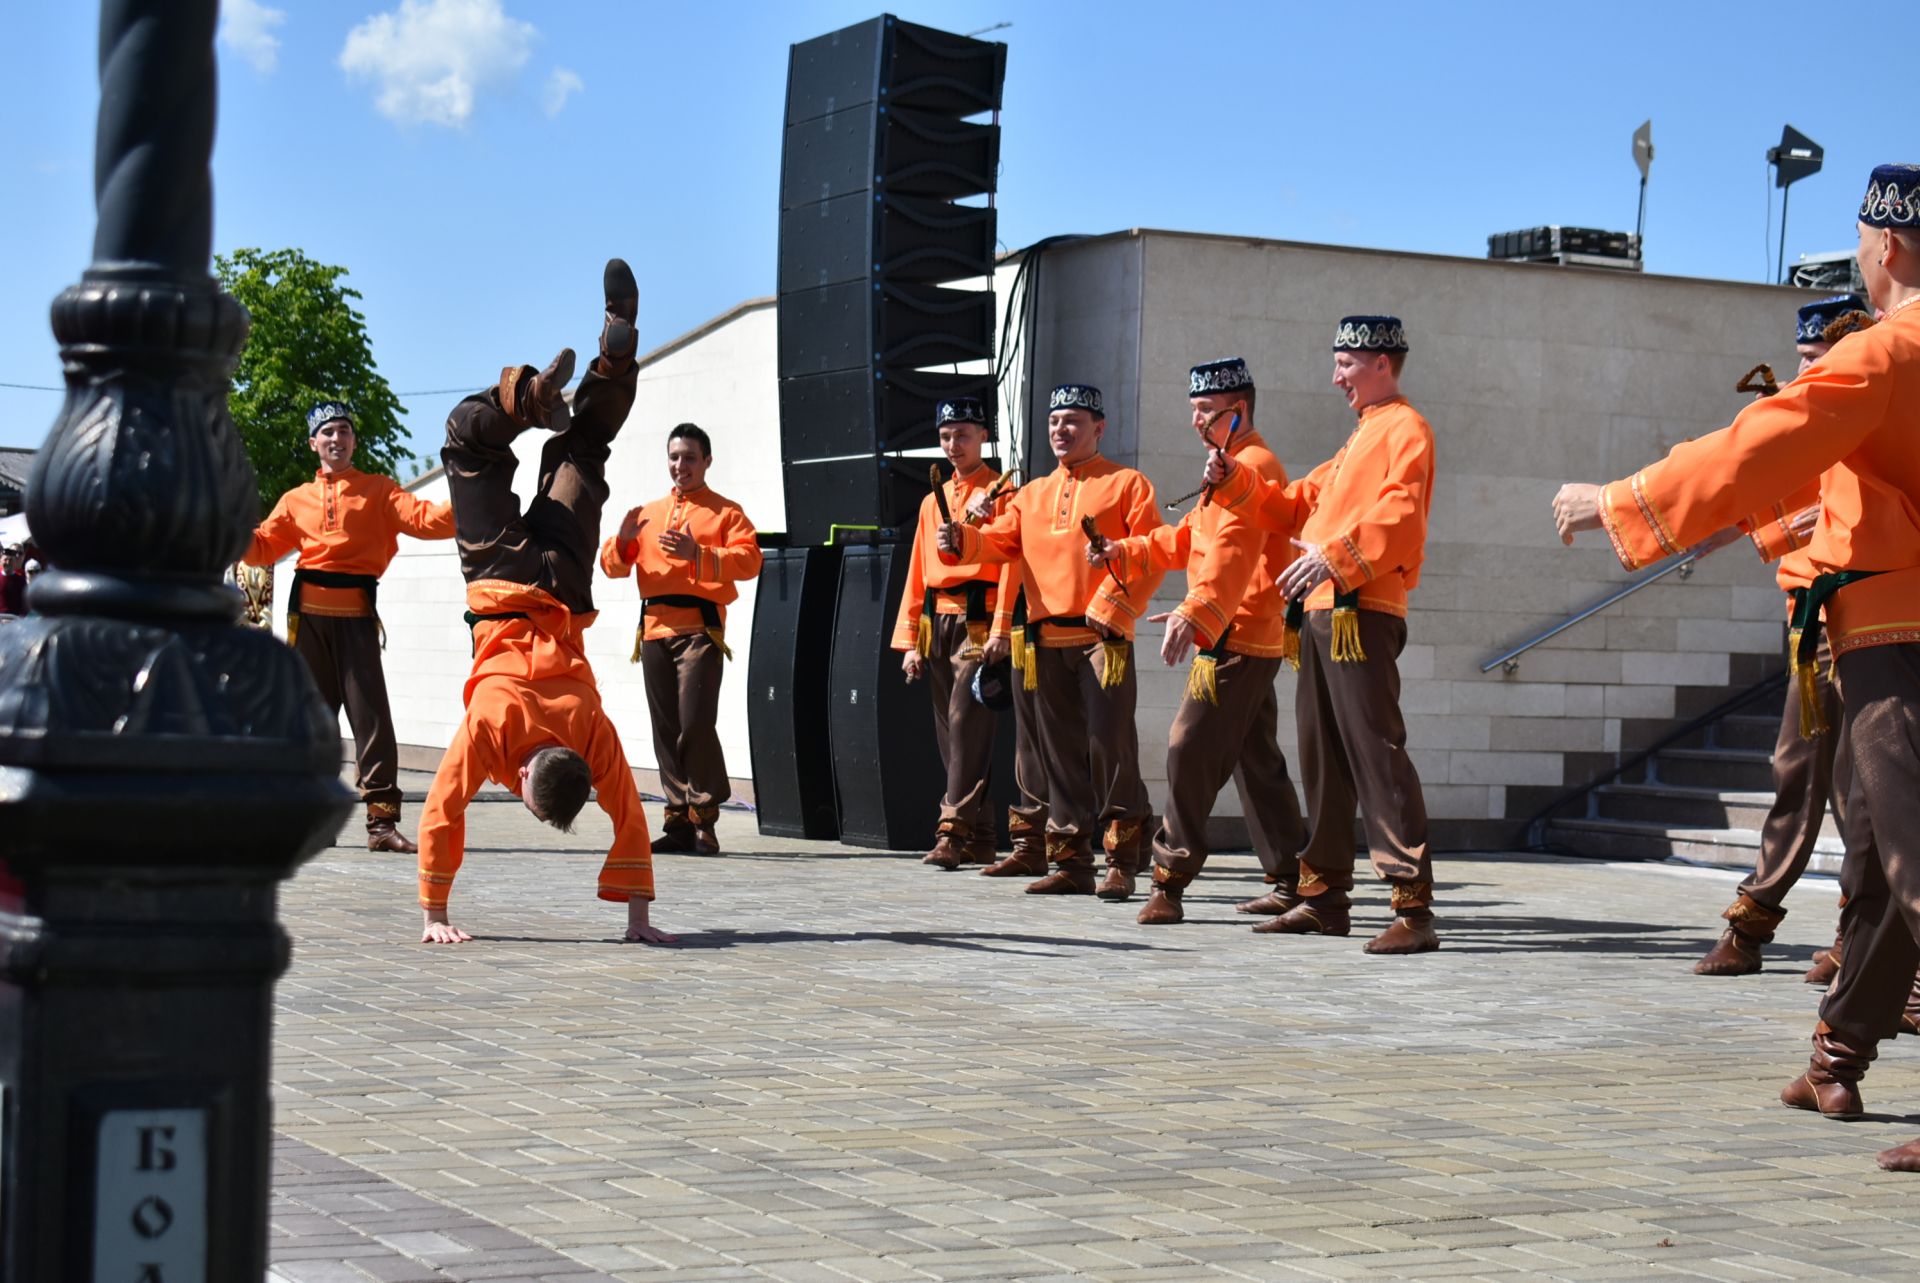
856, 1068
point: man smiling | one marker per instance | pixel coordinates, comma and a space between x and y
1079, 634
1362, 523
347, 526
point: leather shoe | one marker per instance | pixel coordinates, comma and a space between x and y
1826, 965
618, 338
1068, 879
1734, 955
704, 841
1320, 915
1162, 908
1901, 1158
1117, 885
673, 841
1273, 903
1407, 934
1029, 863
385, 837
945, 855
1836, 1100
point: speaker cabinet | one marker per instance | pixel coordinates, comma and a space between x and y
886, 767
787, 671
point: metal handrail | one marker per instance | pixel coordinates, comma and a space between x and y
1682, 563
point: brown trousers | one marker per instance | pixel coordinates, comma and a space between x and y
1353, 749
1029, 814
1090, 747
1881, 949
344, 657
683, 698
555, 544
962, 727
1235, 738
1806, 775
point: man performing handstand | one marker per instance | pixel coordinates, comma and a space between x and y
534, 722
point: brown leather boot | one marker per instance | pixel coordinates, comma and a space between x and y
1901, 1158
1272, 904
1750, 924
676, 832
1029, 858
1163, 904
1326, 914
1410, 932
979, 850
1073, 869
1123, 840
383, 829
619, 340
704, 840
949, 846
529, 396
1826, 964
1829, 1085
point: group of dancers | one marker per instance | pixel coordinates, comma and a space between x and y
1037, 591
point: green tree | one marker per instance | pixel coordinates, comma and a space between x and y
308, 345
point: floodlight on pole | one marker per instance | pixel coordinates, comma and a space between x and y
1643, 157
1797, 157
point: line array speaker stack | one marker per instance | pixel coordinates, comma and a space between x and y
879, 154
787, 692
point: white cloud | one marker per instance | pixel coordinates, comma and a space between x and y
246, 27
561, 85
429, 58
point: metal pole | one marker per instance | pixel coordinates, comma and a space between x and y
1640, 223
162, 768
1780, 266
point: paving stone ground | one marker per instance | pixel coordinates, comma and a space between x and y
856, 1068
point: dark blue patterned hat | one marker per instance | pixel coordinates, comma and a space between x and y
1370, 334
1893, 197
961, 409
1816, 317
326, 412
1229, 374
1077, 396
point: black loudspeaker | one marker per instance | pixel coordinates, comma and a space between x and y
877, 151
886, 767
787, 692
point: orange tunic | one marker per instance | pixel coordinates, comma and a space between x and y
1232, 564
728, 553
927, 570
1041, 528
350, 523
1366, 507
531, 687
1849, 419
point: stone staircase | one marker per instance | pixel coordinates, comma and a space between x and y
1701, 799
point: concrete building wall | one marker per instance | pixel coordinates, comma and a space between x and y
1530, 375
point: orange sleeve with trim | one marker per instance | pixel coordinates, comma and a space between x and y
275, 537
414, 516
1218, 583
1770, 449
616, 559
906, 624
735, 555
1118, 605
1278, 508
1772, 530
443, 820
628, 871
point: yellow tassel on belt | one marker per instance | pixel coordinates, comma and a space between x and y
1203, 679
293, 628
1346, 648
923, 637
1025, 660
1113, 664
1290, 632
1806, 678
720, 639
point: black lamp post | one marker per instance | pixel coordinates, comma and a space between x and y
162, 768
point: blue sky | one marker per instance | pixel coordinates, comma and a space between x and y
473, 162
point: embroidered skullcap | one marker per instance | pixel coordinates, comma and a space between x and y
1893, 197
1370, 334
1077, 396
993, 685
326, 412
1229, 374
960, 409
1816, 317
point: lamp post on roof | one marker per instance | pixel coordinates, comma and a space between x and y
1797, 157
137, 956
1643, 158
